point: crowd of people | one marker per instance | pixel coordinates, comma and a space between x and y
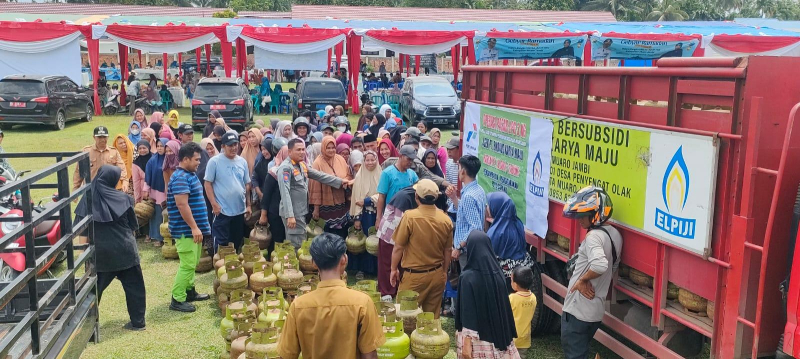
401, 181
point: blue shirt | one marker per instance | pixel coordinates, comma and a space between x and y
228, 177
392, 181
471, 212
185, 182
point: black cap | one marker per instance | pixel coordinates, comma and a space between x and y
230, 138
185, 128
101, 131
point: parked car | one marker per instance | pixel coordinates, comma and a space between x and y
227, 95
432, 99
314, 93
43, 100
190, 64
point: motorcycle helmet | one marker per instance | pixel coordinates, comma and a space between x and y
277, 144
301, 121
114, 87
591, 202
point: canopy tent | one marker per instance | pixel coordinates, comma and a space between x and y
23, 45
363, 25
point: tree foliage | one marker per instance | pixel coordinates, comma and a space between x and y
623, 10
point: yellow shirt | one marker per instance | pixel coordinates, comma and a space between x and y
523, 304
331, 322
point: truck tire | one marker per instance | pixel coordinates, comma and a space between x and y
543, 316
557, 270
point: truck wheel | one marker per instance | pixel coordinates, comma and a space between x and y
558, 271
543, 316
61, 121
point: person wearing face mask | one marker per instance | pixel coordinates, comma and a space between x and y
135, 131
342, 124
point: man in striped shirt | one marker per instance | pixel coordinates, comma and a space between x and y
188, 223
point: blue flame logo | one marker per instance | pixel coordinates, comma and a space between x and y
675, 193
675, 186
535, 187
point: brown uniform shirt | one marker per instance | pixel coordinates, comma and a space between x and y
98, 158
331, 322
425, 232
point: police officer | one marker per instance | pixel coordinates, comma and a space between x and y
100, 154
293, 175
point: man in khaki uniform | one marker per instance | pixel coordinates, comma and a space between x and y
101, 154
332, 321
422, 248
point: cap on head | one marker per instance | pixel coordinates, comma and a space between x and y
100, 131
453, 143
185, 129
408, 151
413, 132
229, 139
426, 189
425, 138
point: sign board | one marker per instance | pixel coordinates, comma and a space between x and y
498, 48
661, 183
514, 150
604, 48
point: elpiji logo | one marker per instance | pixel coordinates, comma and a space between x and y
675, 192
535, 187
470, 133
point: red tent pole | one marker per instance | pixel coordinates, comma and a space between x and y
239, 50
165, 65
470, 50
123, 70
354, 60
328, 61
180, 65
454, 55
94, 59
408, 65
587, 53
416, 64
197, 54
208, 57
227, 57
139, 52
338, 51
401, 62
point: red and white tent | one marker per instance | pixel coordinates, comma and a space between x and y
743, 45
40, 48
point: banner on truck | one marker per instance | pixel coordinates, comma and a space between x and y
661, 183
489, 48
514, 149
609, 47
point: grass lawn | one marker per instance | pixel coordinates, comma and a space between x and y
169, 334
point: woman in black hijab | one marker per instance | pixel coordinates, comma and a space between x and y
396, 134
112, 227
484, 321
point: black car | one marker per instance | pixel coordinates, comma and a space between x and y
314, 93
43, 100
432, 99
190, 64
227, 95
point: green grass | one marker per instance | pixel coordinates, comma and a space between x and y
169, 334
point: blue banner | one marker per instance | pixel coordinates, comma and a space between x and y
604, 48
489, 48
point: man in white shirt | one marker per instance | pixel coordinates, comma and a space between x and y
489, 53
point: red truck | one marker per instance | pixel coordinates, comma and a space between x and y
748, 106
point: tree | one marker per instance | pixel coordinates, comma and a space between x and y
225, 14
702, 10
618, 8
668, 10
251, 5
552, 5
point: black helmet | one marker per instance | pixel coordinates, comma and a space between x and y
590, 202
277, 144
341, 120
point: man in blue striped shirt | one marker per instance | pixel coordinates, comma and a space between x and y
470, 208
188, 223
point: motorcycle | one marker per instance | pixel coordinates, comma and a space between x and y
112, 106
45, 234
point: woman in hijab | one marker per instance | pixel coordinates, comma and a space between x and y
376, 125
330, 203
167, 133
396, 134
441, 152
432, 162
126, 150
157, 117
150, 136
343, 150
313, 151
484, 322
221, 122
172, 121
135, 130
139, 116
211, 122
386, 150
155, 189
386, 111
156, 127
284, 130
384, 134
171, 161
403, 201
251, 148
356, 161
344, 138
271, 196
362, 209
138, 168
117, 256
261, 169
207, 145
507, 234
316, 137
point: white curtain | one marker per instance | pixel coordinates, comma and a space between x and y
38, 47
295, 49
60, 60
174, 47
266, 59
413, 49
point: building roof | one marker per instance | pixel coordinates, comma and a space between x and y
447, 14
125, 10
